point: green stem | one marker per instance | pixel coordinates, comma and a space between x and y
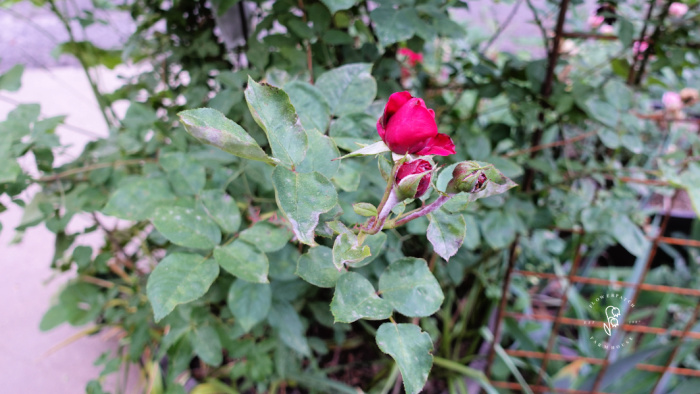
92, 167
95, 90
421, 212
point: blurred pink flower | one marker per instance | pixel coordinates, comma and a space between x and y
594, 21
639, 47
672, 101
677, 9
412, 57
607, 30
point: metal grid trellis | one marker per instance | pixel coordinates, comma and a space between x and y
634, 78
559, 319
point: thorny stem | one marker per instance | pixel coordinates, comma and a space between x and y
92, 167
421, 212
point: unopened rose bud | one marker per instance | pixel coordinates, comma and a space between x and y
594, 21
677, 9
689, 96
672, 101
467, 177
607, 30
409, 174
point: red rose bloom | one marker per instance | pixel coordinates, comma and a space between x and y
415, 167
408, 126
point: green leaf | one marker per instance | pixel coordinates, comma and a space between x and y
207, 344
9, 170
354, 129
347, 251
186, 175
498, 229
625, 32
244, 261
411, 349
303, 197
376, 247
409, 286
89, 54
11, 80
187, 227
365, 209
137, 199
321, 155
249, 302
266, 236
446, 232
338, 5
629, 235
179, 278
316, 267
350, 88
603, 112
286, 320
55, 316
355, 299
313, 109
622, 365
369, 150
212, 127
274, 113
222, 209
394, 25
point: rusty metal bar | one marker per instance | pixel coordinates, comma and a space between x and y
501, 307
680, 241
599, 361
637, 288
606, 282
561, 311
625, 327
541, 389
686, 330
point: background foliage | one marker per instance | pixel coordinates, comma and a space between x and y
253, 306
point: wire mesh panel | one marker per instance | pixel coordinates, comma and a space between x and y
606, 326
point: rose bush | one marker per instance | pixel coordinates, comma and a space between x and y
269, 242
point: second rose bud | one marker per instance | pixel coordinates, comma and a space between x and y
413, 179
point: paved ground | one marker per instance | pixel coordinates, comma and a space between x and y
32, 361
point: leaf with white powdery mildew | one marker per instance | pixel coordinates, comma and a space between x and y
212, 127
409, 286
311, 106
275, 114
222, 209
187, 227
348, 89
316, 267
303, 197
446, 232
410, 348
355, 299
321, 155
179, 278
249, 302
244, 261
136, 200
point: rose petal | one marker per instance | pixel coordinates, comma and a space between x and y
409, 128
380, 129
396, 101
441, 145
